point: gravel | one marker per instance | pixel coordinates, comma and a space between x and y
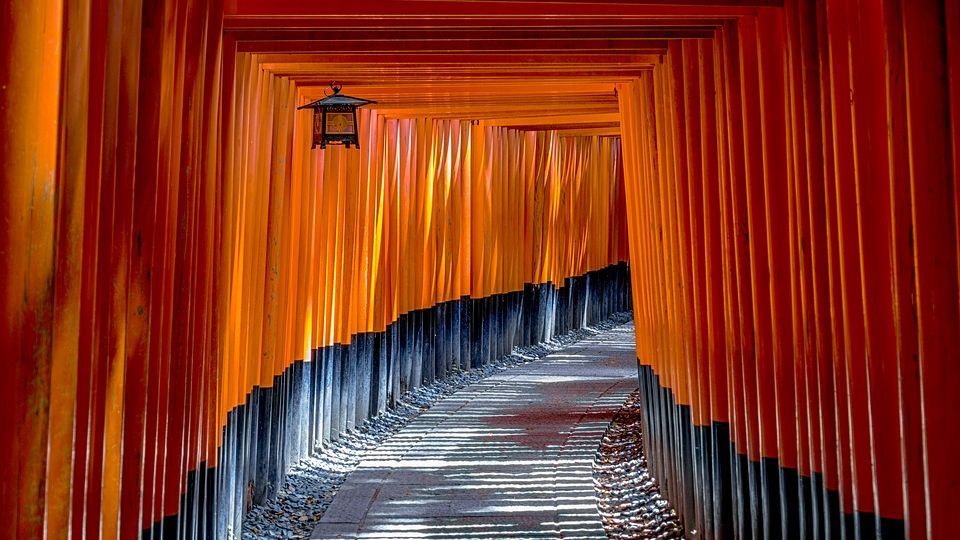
311, 485
628, 497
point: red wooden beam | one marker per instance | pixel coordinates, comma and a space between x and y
535, 8
239, 23
518, 47
428, 34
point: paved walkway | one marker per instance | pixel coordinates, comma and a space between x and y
509, 457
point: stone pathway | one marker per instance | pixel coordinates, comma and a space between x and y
508, 457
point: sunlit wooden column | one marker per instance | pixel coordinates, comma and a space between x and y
30, 86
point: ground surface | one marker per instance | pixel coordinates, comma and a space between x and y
629, 499
508, 457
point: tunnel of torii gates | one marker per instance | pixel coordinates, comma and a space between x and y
192, 297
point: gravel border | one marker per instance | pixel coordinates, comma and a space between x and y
628, 497
310, 486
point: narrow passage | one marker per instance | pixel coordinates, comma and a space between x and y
508, 457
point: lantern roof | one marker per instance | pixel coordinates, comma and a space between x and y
336, 99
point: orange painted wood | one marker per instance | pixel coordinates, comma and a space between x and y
818, 191
783, 181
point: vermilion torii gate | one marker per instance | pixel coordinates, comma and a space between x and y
178, 268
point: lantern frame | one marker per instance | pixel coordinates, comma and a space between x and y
333, 108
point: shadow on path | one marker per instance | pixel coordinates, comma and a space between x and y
508, 457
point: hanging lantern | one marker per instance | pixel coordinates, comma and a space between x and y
335, 119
